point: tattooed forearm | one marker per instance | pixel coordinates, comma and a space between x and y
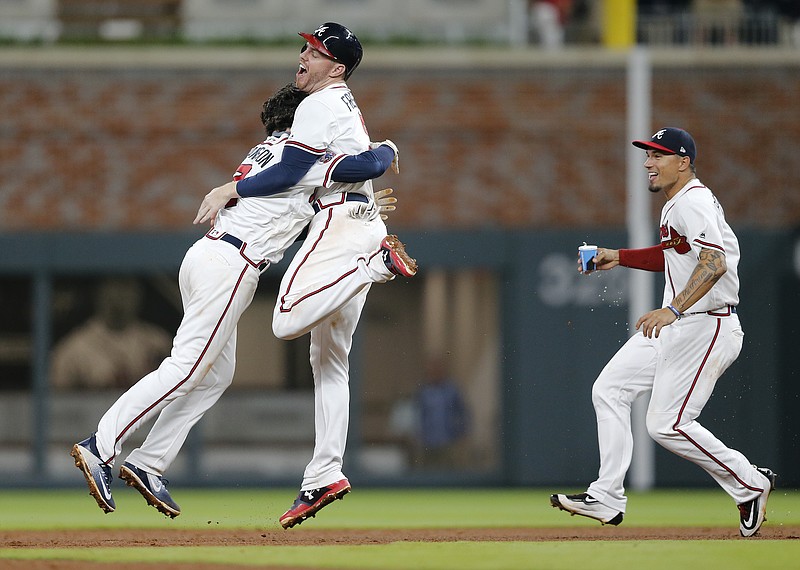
710, 267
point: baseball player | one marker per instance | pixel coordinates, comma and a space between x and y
326, 285
217, 279
685, 346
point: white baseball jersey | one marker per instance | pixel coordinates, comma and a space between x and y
270, 224
690, 221
329, 123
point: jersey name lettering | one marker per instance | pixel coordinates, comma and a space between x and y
260, 155
349, 100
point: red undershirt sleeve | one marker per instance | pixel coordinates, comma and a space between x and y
647, 258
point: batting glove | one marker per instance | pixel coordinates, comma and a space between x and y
390, 144
385, 202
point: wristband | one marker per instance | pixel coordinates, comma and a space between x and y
675, 311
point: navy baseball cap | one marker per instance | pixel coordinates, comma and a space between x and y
671, 140
338, 43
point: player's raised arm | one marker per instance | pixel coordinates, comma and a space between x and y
295, 164
366, 165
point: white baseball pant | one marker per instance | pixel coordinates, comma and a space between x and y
681, 368
324, 291
217, 284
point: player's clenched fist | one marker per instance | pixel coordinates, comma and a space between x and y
215, 201
390, 144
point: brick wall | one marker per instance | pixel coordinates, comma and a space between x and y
136, 148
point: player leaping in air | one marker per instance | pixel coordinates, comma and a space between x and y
326, 285
218, 278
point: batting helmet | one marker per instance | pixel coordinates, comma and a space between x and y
338, 43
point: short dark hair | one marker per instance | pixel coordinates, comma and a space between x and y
277, 113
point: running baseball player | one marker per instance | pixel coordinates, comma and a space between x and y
217, 279
347, 249
685, 346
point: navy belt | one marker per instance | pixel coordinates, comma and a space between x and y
348, 197
725, 311
238, 244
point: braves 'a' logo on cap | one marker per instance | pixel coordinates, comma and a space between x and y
321, 30
659, 134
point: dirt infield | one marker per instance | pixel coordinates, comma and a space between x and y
302, 537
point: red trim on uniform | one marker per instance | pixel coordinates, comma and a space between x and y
668, 277
283, 308
255, 264
710, 245
686, 402
196, 364
304, 147
726, 312
329, 171
250, 261
338, 202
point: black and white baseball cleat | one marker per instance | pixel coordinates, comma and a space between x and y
752, 514
96, 472
585, 505
152, 487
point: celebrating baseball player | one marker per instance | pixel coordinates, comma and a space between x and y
217, 279
685, 346
347, 249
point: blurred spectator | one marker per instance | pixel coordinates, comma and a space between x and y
548, 19
443, 418
789, 10
113, 348
717, 21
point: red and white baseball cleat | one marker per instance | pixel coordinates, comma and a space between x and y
396, 258
309, 502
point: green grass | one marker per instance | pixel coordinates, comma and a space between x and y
652, 555
387, 509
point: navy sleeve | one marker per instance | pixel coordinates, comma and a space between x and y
365, 166
279, 177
